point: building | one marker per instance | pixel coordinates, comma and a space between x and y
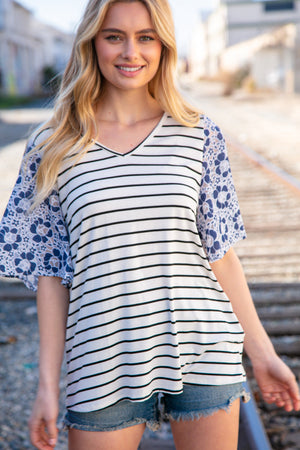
26, 48
269, 57
245, 20
236, 22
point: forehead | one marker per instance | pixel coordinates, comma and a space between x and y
125, 15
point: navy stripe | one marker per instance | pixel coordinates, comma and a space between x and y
150, 302
179, 166
123, 210
108, 188
130, 197
139, 316
178, 135
139, 244
162, 287
126, 364
137, 232
149, 350
123, 222
154, 336
127, 387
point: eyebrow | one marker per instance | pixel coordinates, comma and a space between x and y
116, 30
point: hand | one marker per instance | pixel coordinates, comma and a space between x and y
277, 383
42, 423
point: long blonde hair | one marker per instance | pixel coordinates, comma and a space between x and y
73, 122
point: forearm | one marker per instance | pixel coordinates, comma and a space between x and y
52, 303
230, 275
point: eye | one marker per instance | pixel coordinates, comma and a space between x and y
113, 38
146, 38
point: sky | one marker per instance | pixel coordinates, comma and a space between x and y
65, 14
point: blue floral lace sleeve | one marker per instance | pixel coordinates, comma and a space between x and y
33, 243
219, 220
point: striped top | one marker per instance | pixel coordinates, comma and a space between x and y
146, 312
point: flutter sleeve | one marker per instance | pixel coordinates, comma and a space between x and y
33, 243
219, 219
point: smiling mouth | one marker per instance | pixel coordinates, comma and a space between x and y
130, 69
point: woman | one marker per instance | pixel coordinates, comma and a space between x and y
130, 241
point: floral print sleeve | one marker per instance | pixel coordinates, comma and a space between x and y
219, 220
33, 243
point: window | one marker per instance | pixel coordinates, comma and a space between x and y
275, 5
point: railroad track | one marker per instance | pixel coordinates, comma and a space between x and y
270, 205
270, 256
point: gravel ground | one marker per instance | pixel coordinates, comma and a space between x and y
18, 373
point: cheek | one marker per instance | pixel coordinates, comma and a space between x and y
155, 54
104, 54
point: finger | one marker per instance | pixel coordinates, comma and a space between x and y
288, 403
288, 406
40, 438
284, 403
271, 397
295, 395
282, 399
296, 404
52, 432
36, 434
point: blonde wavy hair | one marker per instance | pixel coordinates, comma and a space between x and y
73, 123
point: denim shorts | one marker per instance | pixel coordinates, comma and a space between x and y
194, 402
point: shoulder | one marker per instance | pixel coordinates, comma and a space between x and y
205, 123
214, 141
174, 127
38, 136
211, 128
33, 152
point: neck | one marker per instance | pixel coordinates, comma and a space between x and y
127, 107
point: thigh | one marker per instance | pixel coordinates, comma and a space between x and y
205, 417
116, 427
218, 431
125, 439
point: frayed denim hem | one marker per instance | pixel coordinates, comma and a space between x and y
246, 396
177, 416
153, 425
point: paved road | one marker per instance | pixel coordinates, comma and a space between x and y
15, 127
16, 123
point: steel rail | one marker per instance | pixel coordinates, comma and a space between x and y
281, 175
252, 433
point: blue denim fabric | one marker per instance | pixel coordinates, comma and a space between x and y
194, 402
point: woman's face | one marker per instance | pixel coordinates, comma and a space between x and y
128, 48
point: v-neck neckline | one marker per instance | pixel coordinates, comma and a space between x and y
141, 144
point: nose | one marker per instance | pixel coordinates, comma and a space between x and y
130, 49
